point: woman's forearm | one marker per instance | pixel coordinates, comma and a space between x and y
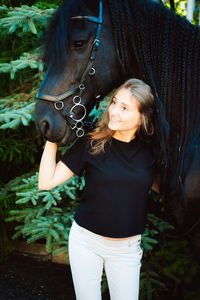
47, 165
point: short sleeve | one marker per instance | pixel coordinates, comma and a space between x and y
75, 158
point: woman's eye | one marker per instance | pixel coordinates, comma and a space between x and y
78, 44
124, 108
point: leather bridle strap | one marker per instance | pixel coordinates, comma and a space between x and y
54, 98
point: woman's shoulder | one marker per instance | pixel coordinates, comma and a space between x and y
83, 140
79, 144
149, 147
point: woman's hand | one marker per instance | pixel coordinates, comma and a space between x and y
50, 173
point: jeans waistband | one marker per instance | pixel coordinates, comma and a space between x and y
136, 239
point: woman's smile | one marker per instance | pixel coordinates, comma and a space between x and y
113, 120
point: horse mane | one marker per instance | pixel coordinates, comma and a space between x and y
167, 48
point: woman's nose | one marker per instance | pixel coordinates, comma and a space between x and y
114, 111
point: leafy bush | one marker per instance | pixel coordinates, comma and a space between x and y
42, 215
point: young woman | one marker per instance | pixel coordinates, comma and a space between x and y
118, 162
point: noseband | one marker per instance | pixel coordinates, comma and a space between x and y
75, 122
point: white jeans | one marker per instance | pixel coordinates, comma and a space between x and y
89, 253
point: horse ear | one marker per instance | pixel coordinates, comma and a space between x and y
93, 5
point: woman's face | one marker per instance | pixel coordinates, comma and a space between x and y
124, 116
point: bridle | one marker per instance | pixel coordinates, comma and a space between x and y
69, 115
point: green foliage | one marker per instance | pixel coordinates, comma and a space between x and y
42, 219
47, 215
48, 4
20, 58
13, 143
25, 19
150, 282
170, 268
30, 60
14, 111
7, 202
6, 244
13, 118
181, 269
16, 2
181, 9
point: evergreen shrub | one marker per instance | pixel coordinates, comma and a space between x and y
168, 266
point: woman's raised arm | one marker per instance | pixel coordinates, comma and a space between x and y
50, 173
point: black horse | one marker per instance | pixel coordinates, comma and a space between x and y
92, 47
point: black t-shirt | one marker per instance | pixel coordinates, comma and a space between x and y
117, 182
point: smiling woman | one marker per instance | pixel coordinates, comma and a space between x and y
131, 111
118, 160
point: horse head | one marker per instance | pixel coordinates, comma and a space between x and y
82, 66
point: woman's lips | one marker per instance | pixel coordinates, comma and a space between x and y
114, 121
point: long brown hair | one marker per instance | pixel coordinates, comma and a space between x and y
142, 92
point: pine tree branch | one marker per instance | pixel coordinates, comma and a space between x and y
3, 8
17, 110
11, 117
26, 18
31, 60
45, 220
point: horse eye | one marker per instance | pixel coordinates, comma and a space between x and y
78, 44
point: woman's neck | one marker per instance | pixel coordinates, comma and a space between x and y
124, 136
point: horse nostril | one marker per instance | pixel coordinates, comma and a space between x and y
45, 127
